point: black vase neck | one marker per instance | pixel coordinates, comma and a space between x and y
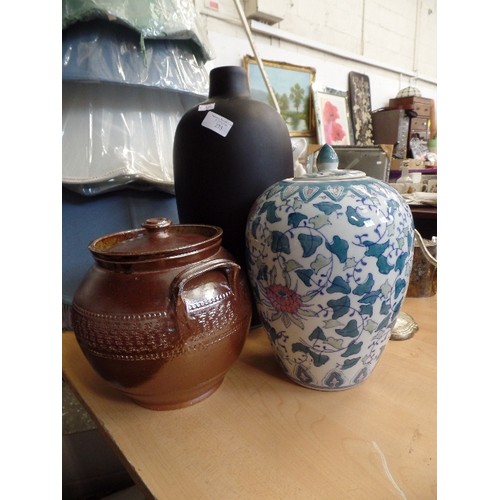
228, 81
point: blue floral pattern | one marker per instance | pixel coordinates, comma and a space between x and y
329, 264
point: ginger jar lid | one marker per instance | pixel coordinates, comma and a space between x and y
327, 165
158, 238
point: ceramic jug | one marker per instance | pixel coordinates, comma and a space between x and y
299, 148
163, 313
329, 256
423, 280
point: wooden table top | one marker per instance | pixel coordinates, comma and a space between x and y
261, 436
424, 211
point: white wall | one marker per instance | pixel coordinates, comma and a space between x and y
391, 41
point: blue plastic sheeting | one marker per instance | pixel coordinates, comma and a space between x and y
104, 52
117, 136
87, 218
153, 19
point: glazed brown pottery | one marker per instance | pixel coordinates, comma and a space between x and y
163, 313
423, 279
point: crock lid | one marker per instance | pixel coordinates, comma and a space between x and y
158, 237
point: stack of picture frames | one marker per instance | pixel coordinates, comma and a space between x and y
344, 118
310, 109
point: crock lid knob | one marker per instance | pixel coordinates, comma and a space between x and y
156, 223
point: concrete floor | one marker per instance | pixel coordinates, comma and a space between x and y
90, 468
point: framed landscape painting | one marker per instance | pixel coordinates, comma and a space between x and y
292, 86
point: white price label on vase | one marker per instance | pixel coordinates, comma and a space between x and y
217, 123
206, 107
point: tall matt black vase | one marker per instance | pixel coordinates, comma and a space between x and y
226, 152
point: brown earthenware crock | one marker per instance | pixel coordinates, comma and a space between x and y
163, 313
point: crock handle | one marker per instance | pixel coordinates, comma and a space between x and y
230, 268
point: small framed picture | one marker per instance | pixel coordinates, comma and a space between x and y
333, 121
291, 86
361, 108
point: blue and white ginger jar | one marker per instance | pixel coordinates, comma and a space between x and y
329, 258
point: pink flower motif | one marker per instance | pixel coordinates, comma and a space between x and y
330, 113
337, 132
334, 133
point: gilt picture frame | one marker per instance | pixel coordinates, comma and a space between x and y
292, 86
333, 120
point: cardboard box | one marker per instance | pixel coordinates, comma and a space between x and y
412, 164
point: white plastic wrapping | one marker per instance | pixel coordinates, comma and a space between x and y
119, 135
155, 19
100, 51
